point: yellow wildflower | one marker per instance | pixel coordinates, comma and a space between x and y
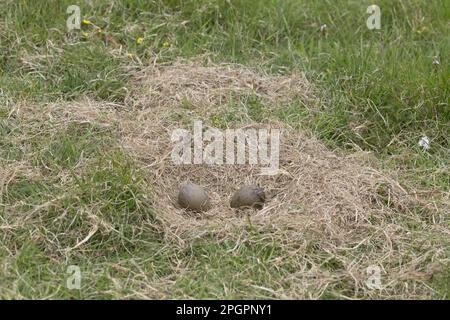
166, 44
139, 40
86, 22
422, 30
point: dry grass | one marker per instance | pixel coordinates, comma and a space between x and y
334, 214
208, 86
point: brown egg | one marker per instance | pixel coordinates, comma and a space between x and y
193, 197
249, 196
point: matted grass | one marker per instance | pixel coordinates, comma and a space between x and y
329, 215
83, 182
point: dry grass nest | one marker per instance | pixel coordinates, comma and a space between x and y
322, 205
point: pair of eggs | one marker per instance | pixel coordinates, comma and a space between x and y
193, 197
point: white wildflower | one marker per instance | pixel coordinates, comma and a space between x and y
436, 62
424, 142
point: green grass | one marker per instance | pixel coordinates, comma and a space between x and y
216, 269
378, 91
384, 80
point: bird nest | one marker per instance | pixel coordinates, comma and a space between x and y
336, 202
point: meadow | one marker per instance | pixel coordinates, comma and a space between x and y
71, 194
